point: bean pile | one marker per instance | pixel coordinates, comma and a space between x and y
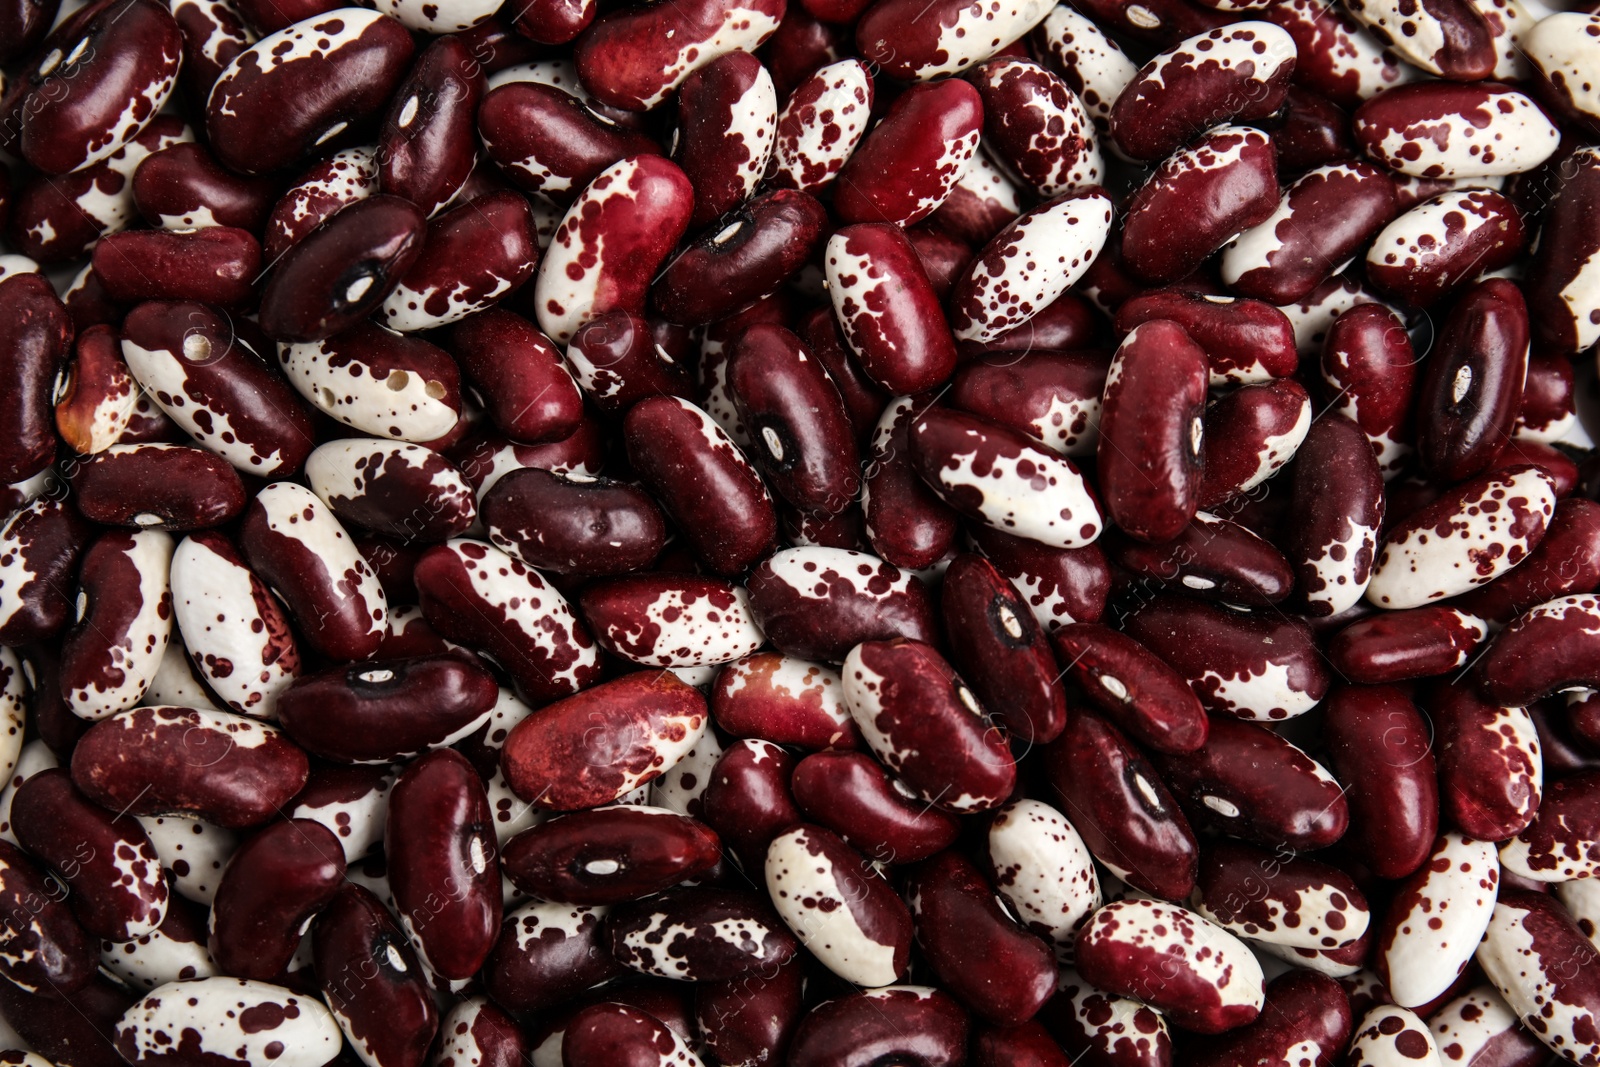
848, 533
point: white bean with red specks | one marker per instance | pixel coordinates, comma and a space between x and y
1565, 47
439, 16
1388, 1036
1044, 871
143, 643
824, 119
1471, 1024
1437, 919
1092, 64
817, 905
192, 852
229, 1021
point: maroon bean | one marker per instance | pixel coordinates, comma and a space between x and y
886, 308
741, 259
1053, 397
1395, 646
372, 980
96, 396
633, 58
25, 23
559, 761
1144, 696
1244, 340
914, 1025
272, 887
39, 549
1163, 23
906, 523
46, 951
1311, 132
554, 21
1061, 585
617, 360
1335, 513
73, 1033
702, 480
747, 799
610, 854
183, 186
1443, 243
236, 407
118, 890
1151, 431
1291, 901
1369, 365
727, 117
1306, 1014
214, 32
749, 1020
111, 69
1125, 814
574, 525
35, 337
549, 141
213, 265
225, 769
909, 163
342, 271
1336, 56
1322, 220
699, 934
473, 255
1028, 1045
1234, 72
325, 188
1231, 171
1471, 387
784, 700
404, 491
1547, 411
1248, 782
1490, 772
671, 619
606, 1034
1560, 301
439, 839
1381, 749
1211, 558
291, 92
426, 146
474, 594
850, 794
1545, 650
1001, 648
518, 375
1002, 972
546, 955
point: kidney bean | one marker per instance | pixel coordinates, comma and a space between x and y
703, 934
905, 521
1442, 130
1540, 961
743, 259
818, 603
124, 620
223, 768
1450, 38
1335, 514
822, 121
727, 119
1561, 300
39, 549
1286, 900
182, 186
273, 886
174, 952
214, 32
104, 74
1381, 747
518, 376
1053, 397
1547, 412
1337, 57
617, 360
1368, 364
95, 395
981, 203
916, 44
839, 908
1043, 871
574, 524
1437, 246
618, 1033
1491, 774
850, 794
671, 620
926, 726
236, 407
886, 309
747, 799
1396, 646
214, 264
1566, 561
301, 550
118, 890
1389, 1034
26, 23
235, 630
380, 382
549, 141
702, 480
1105, 1028
474, 1032
560, 762
784, 700
303, 86
440, 844
1478, 1026
1436, 920
1212, 558
1231, 171
342, 179
373, 981
1321, 220
379, 712
547, 954
46, 951
1011, 278
350, 801
634, 58
1233, 72
1471, 535
1091, 64
909, 163
399, 490
750, 1020
192, 852
234, 1020
1244, 341
1160, 24
426, 146
1559, 844
475, 594
1310, 132
1200, 975
472, 256
610, 855
1037, 126
998, 643
36, 337
1471, 388
1126, 816
158, 487
73, 1033
1133, 686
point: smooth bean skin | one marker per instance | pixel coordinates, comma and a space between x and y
1381, 748
1133, 686
1471, 387
372, 980
852, 795
35, 338
274, 884
915, 1025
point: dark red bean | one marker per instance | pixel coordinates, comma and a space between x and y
1053, 397
225, 769
607, 1034
335, 183
73, 1033
1543, 651
853, 796
427, 144
124, 620
1211, 558
913, 1025
574, 524
1369, 365
784, 700
1443, 243
715, 934
473, 255
1248, 782
906, 522
272, 887
750, 1020
1244, 340
727, 118
46, 951
35, 338
548, 141
747, 799
1124, 812
1310, 132
1534, 952
1282, 900
1035, 123
886, 308
818, 603
1306, 1014
617, 360
39, 549
372, 980
1382, 750
165, 487
911, 160
183, 186
610, 855
476, 1032
214, 265
1061, 585
1394, 646
1136, 688
304, 85
546, 955
1490, 771
25, 23
518, 375
96, 396
1335, 514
